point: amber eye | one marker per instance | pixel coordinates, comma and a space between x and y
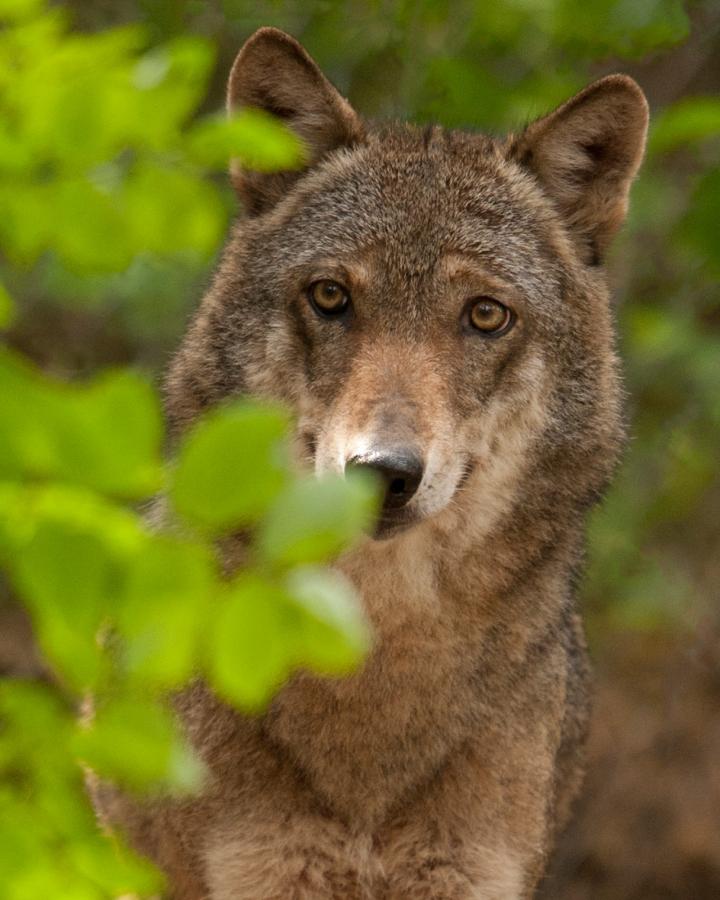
490, 316
328, 297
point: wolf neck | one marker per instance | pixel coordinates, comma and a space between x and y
453, 644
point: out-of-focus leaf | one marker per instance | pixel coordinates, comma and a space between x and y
19, 9
252, 137
170, 209
67, 553
105, 434
137, 743
264, 630
700, 227
315, 519
50, 845
114, 442
7, 308
231, 466
249, 656
163, 615
690, 120
333, 635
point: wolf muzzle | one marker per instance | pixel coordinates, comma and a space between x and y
400, 471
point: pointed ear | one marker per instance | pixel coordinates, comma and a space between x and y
586, 154
273, 72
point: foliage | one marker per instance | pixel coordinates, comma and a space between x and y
86, 564
99, 164
112, 213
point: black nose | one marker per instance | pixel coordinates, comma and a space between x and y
401, 472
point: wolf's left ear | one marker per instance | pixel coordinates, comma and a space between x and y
274, 72
586, 154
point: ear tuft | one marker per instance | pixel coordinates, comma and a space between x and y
586, 154
274, 72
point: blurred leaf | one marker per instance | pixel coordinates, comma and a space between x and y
67, 553
170, 209
105, 434
231, 466
265, 630
690, 120
254, 138
163, 615
250, 655
50, 845
7, 308
18, 9
137, 743
700, 227
333, 636
315, 519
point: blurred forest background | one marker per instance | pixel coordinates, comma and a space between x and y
95, 287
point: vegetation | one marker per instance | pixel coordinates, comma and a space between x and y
113, 207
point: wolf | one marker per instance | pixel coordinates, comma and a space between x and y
433, 306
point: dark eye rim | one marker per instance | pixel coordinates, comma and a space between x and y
507, 325
328, 313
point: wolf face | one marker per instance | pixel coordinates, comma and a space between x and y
430, 303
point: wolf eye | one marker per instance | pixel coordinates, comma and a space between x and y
490, 316
328, 298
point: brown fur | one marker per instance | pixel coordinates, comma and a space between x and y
443, 767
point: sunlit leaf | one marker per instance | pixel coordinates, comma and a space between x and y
251, 653
231, 466
137, 743
252, 137
105, 434
315, 519
168, 600
333, 635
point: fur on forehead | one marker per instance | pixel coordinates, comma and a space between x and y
582, 157
464, 197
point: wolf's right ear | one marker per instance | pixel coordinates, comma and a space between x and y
273, 72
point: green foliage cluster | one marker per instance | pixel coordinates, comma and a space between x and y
112, 212
131, 614
99, 167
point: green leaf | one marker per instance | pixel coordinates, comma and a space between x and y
109, 435
69, 580
254, 138
7, 308
231, 466
67, 553
264, 630
251, 654
138, 744
316, 519
50, 845
332, 636
164, 611
19, 9
106, 434
688, 121
170, 210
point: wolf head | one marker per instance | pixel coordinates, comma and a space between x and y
431, 303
